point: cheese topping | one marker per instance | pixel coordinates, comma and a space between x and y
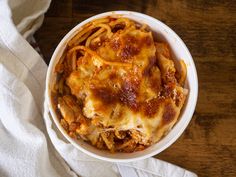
124, 84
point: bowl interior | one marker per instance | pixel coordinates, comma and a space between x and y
179, 51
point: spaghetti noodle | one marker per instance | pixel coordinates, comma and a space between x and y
117, 88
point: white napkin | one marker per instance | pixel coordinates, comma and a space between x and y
28, 148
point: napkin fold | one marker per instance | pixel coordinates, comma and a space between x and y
31, 145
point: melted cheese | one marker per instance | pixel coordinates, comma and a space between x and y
128, 98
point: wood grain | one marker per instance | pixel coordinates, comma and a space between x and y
208, 145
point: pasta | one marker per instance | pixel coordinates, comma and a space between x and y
117, 88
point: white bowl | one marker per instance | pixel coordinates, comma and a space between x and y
179, 51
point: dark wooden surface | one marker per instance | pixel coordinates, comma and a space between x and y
208, 27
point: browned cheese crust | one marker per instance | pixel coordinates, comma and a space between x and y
117, 88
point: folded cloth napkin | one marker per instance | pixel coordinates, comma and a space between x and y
30, 144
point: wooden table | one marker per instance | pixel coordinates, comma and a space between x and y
208, 145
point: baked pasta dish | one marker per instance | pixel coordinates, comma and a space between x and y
117, 87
